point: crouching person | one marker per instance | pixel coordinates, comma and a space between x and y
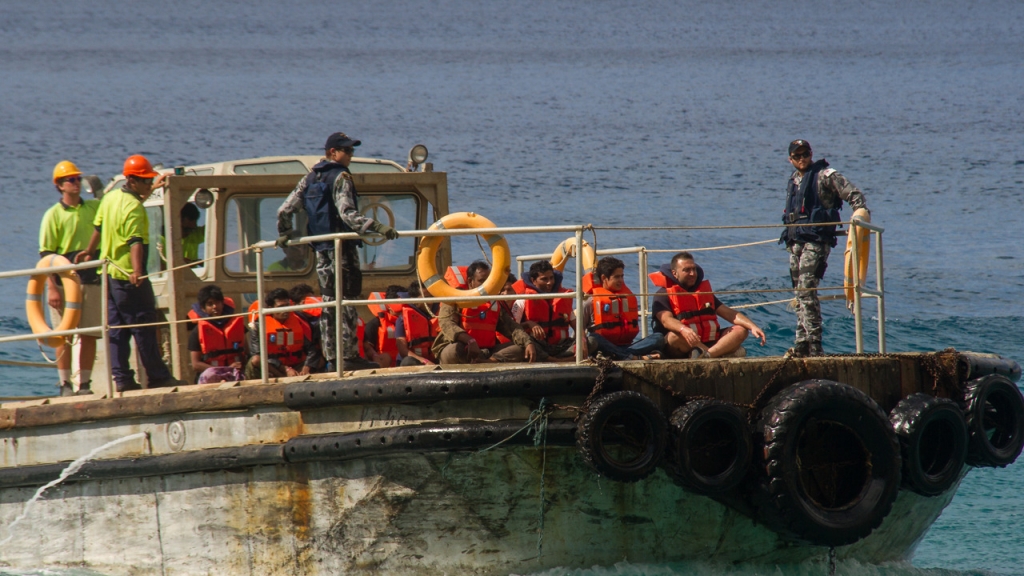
291, 350
216, 345
470, 335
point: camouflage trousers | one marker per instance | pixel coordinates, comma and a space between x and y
352, 277
807, 263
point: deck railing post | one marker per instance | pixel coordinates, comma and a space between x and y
105, 322
264, 361
339, 297
580, 329
643, 299
857, 322
880, 285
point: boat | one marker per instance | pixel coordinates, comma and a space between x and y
487, 468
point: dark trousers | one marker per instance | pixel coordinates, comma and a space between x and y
128, 304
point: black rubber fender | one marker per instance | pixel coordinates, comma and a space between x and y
709, 446
933, 442
622, 436
831, 464
994, 409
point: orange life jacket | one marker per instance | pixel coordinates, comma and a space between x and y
388, 315
551, 315
616, 316
285, 341
481, 322
314, 312
361, 334
222, 347
696, 311
196, 314
420, 332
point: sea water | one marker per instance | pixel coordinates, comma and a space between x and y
640, 113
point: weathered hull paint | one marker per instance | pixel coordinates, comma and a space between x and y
456, 513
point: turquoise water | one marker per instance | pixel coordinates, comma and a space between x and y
618, 114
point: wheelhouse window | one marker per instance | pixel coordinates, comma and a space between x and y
248, 220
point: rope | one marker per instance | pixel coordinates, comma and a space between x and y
24, 364
709, 248
746, 227
487, 256
540, 438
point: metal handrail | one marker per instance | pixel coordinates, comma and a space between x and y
860, 290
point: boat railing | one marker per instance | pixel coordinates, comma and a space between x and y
860, 290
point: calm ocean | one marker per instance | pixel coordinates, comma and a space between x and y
639, 113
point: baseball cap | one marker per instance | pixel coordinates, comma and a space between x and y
798, 144
339, 140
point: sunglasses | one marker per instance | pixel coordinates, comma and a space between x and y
72, 179
348, 150
800, 155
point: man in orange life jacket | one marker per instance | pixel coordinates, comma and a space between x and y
415, 331
469, 335
548, 321
611, 317
290, 347
379, 342
216, 343
687, 313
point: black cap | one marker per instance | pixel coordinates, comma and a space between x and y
798, 144
339, 140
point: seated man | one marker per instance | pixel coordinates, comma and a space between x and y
303, 294
290, 347
686, 312
415, 331
548, 321
192, 235
470, 335
216, 345
612, 318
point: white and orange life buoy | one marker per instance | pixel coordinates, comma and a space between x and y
863, 236
426, 262
34, 309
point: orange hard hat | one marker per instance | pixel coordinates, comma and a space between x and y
137, 165
65, 168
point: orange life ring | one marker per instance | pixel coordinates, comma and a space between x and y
567, 250
34, 309
426, 262
863, 253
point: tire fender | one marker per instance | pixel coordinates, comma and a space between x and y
709, 446
994, 410
622, 436
933, 442
831, 464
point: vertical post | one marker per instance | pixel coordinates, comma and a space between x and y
105, 322
519, 268
643, 299
580, 328
264, 361
339, 297
880, 286
857, 321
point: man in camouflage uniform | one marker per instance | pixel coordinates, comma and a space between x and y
815, 195
332, 205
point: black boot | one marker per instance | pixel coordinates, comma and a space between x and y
85, 388
66, 389
799, 350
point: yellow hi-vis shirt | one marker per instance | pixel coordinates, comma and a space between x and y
67, 229
121, 218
